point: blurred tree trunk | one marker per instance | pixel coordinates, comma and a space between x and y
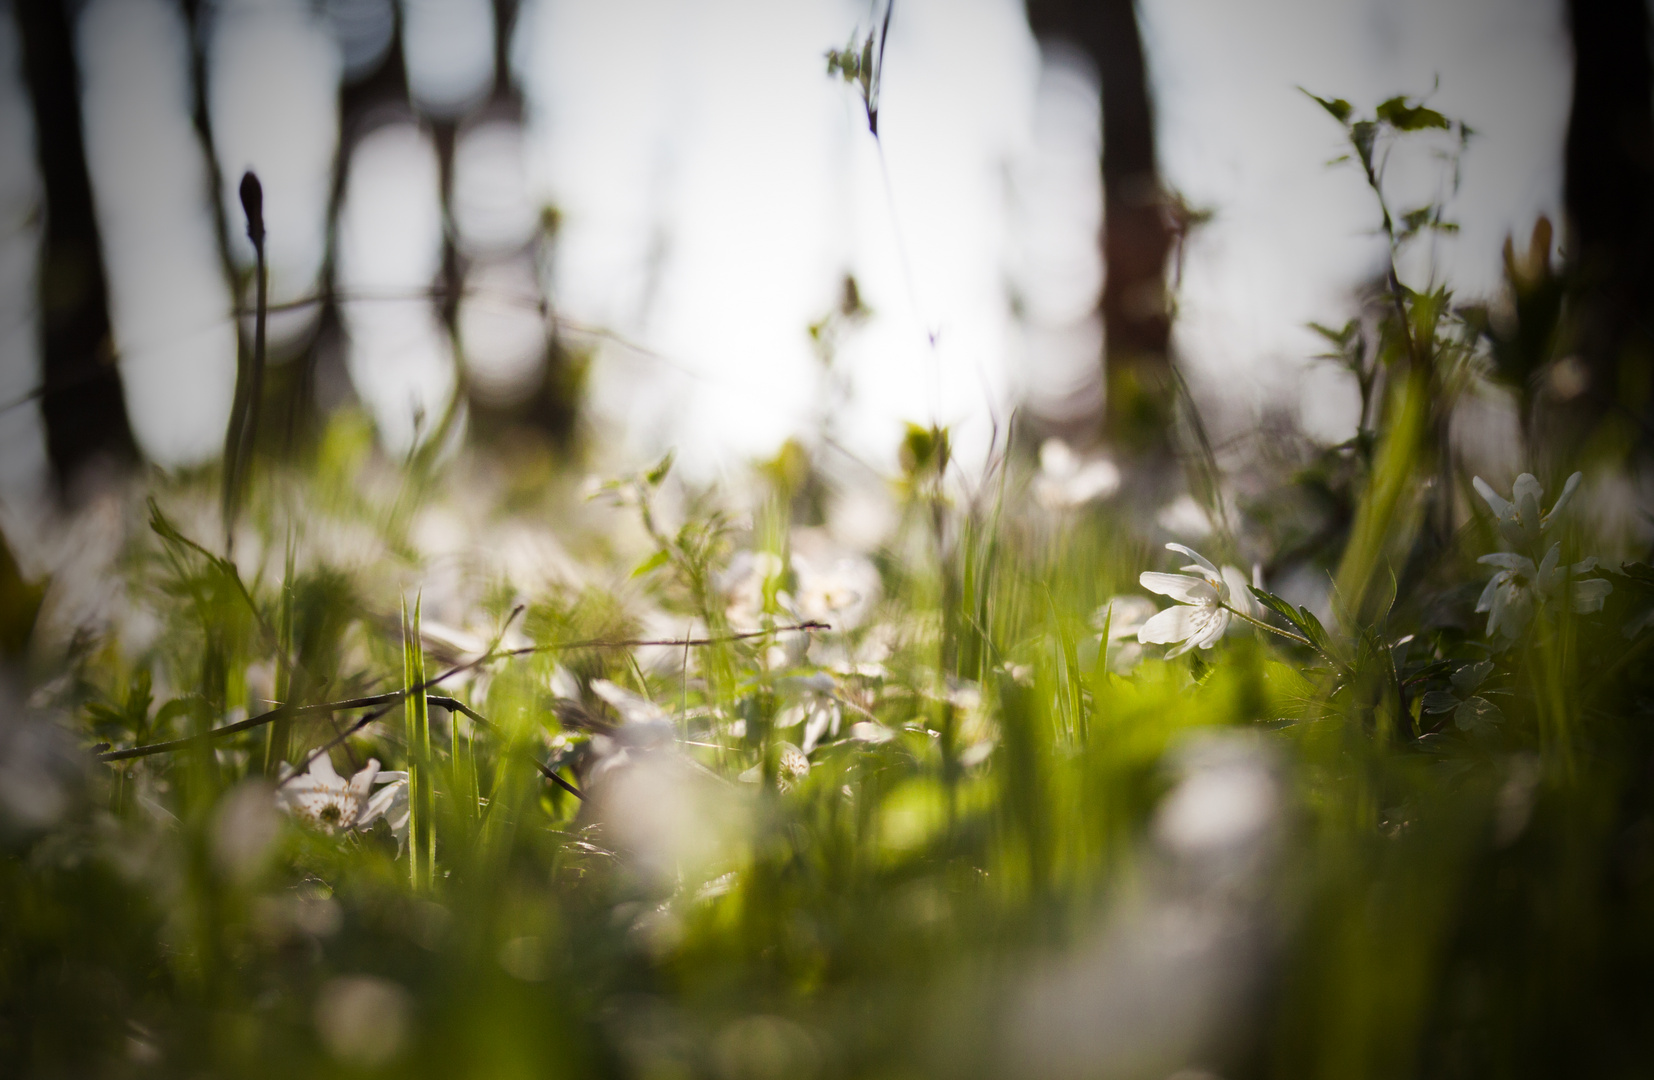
1609, 191
301, 385
1136, 231
81, 401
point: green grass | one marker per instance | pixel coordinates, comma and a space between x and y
1346, 849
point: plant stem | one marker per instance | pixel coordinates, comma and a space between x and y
1261, 625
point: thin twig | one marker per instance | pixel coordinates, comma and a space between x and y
394, 697
455, 705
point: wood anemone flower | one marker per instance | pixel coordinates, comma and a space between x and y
1202, 613
1521, 522
327, 801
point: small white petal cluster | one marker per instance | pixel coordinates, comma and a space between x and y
1510, 596
1520, 521
325, 800
1519, 584
1066, 480
838, 590
1123, 616
1202, 612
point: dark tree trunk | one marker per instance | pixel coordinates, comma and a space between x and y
81, 400
1609, 191
1136, 232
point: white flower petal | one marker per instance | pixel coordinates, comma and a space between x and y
1485, 602
1499, 506
1123, 615
1217, 622
321, 769
1184, 588
1562, 499
1547, 566
362, 783
1508, 560
1527, 486
1590, 593
381, 803
1173, 624
1205, 567
1240, 592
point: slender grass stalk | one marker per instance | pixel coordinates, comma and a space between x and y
416, 709
1385, 522
276, 743
238, 449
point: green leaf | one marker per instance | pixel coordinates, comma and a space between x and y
657, 474
1340, 337
1276, 604
1414, 220
653, 562
1363, 135
1312, 628
1301, 619
1337, 108
1477, 713
1469, 677
173, 709
1439, 701
1404, 117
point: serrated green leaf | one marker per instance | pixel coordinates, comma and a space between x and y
1476, 713
1469, 677
1439, 701
1312, 628
1274, 603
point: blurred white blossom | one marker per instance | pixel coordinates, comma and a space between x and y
1184, 517
363, 1020
1066, 480
1518, 586
751, 579
1122, 617
839, 593
1520, 521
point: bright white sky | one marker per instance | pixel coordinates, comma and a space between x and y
715, 184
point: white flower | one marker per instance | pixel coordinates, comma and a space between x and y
324, 799
1184, 517
1066, 480
1520, 521
840, 594
1518, 586
1124, 616
644, 724
1201, 615
749, 578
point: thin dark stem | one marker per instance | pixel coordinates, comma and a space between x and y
875, 83
249, 392
394, 697
455, 705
